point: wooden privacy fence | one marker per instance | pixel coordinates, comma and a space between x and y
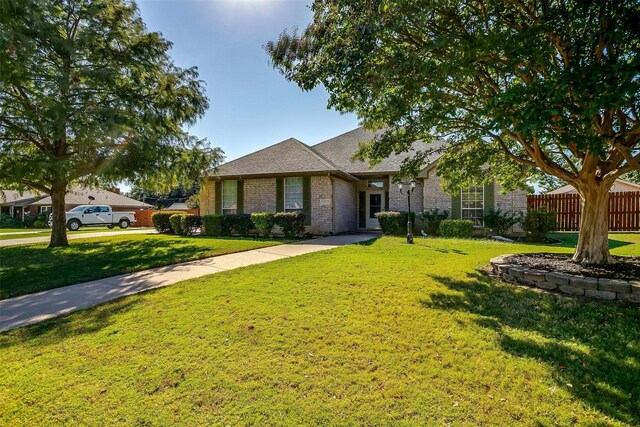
624, 210
143, 217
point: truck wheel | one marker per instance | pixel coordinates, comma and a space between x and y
110, 226
124, 223
73, 225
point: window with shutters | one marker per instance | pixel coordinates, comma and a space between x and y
472, 204
229, 197
293, 194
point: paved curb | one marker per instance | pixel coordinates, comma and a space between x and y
33, 308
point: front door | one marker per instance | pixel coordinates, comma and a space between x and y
375, 204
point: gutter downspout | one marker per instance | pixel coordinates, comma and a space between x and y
333, 203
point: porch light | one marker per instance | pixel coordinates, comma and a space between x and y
410, 186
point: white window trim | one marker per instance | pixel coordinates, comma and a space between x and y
222, 209
285, 194
462, 208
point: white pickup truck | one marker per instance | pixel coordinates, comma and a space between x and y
92, 215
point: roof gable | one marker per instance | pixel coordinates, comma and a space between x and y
341, 149
286, 157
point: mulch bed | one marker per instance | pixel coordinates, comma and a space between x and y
628, 268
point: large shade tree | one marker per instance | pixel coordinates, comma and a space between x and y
523, 86
89, 96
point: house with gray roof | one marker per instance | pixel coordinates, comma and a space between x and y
31, 203
336, 192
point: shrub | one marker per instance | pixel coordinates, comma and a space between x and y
185, 224
460, 228
161, 221
394, 223
537, 223
291, 223
238, 223
263, 222
39, 224
215, 225
7, 221
500, 222
192, 223
177, 224
432, 218
29, 221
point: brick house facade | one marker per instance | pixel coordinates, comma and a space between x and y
336, 193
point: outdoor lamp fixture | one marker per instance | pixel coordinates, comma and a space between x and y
408, 187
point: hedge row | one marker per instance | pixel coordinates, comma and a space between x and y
291, 224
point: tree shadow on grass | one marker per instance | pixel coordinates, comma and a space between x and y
28, 269
593, 347
55, 330
570, 240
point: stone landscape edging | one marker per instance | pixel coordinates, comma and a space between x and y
627, 291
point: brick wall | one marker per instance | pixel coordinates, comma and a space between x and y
260, 195
398, 201
434, 197
207, 198
321, 205
345, 197
511, 201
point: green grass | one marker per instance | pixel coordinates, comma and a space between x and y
31, 268
24, 233
375, 334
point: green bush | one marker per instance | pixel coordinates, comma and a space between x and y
263, 222
537, 223
238, 223
192, 223
39, 224
291, 223
500, 222
28, 221
7, 221
161, 221
460, 228
185, 224
215, 225
177, 224
432, 218
394, 223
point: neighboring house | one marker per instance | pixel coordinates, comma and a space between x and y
619, 186
336, 193
30, 203
178, 206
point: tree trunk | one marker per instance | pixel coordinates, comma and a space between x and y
593, 241
58, 209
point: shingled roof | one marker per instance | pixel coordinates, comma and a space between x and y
78, 195
286, 157
334, 155
340, 151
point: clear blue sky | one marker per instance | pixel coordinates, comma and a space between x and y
252, 105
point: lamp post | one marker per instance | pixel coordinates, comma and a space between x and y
408, 187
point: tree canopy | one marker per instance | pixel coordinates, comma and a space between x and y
518, 88
88, 95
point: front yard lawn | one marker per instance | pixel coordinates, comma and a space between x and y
32, 268
381, 333
25, 233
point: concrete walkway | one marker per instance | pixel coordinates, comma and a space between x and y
34, 308
45, 239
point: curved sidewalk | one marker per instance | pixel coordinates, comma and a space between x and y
34, 308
